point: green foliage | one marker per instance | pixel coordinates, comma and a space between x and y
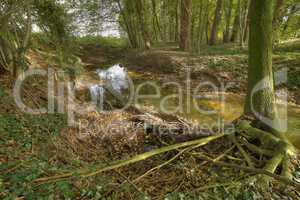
16, 21
53, 20
178, 196
105, 42
23, 129
218, 192
294, 78
19, 134
289, 28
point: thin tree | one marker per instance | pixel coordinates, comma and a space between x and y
228, 21
235, 29
244, 19
141, 11
155, 21
217, 19
186, 6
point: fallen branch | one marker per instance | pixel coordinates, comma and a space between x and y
167, 162
88, 172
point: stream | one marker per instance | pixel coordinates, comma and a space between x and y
212, 108
203, 108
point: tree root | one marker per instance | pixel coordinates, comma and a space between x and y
243, 152
282, 179
256, 149
287, 167
281, 157
249, 132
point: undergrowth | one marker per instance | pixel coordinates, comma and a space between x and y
104, 42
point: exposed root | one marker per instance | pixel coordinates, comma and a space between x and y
287, 167
254, 170
280, 158
266, 138
243, 152
256, 149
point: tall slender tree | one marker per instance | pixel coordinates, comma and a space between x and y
186, 9
141, 11
155, 21
235, 29
244, 23
217, 19
228, 21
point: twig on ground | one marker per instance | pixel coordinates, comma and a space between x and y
95, 170
167, 162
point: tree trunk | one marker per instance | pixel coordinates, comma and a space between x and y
200, 25
185, 24
235, 30
143, 23
217, 19
228, 22
277, 19
177, 22
244, 24
207, 23
192, 33
156, 24
127, 26
260, 100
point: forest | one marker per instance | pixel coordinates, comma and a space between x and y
149, 99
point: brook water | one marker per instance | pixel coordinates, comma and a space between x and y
204, 108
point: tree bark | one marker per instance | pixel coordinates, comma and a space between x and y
235, 30
177, 21
277, 19
185, 24
156, 24
260, 100
217, 19
228, 22
143, 24
201, 22
244, 23
128, 23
